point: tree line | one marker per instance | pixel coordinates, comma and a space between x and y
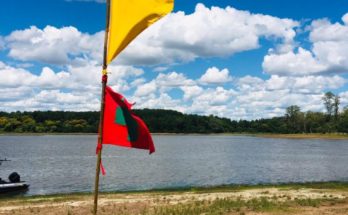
317, 122
169, 121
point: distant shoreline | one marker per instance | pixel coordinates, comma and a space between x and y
305, 136
333, 136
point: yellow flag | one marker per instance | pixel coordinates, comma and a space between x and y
128, 18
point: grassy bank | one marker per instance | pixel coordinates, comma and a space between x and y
308, 198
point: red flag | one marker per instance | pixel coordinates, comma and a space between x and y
121, 126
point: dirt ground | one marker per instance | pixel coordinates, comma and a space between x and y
308, 202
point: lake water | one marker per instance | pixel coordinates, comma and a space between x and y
64, 164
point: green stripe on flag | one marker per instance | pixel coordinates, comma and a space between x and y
119, 119
124, 117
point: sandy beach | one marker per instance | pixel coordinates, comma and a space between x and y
289, 199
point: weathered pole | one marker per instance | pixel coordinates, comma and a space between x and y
102, 108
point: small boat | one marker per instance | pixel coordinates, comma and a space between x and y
8, 187
14, 185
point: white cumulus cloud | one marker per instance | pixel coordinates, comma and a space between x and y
214, 76
53, 45
328, 53
179, 37
294, 75
208, 32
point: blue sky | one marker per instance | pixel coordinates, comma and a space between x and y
241, 59
88, 16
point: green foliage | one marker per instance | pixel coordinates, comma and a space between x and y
343, 122
294, 117
331, 103
168, 121
49, 122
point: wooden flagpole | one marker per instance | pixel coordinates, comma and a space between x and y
102, 108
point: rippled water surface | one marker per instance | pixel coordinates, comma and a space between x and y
64, 164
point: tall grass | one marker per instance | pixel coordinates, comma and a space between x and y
228, 205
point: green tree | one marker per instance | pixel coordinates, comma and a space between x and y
3, 122
12, 124
293, 115
329, 101
315, 122
51, 125
28, 124
343, 122
336, 107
